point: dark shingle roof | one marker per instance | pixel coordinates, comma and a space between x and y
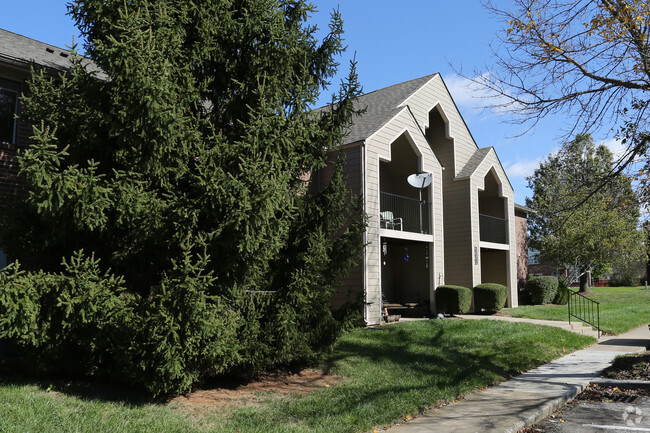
474, 162
381, 105
21, 51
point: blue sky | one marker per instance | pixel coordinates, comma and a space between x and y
393, 42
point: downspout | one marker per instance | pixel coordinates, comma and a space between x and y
366, 307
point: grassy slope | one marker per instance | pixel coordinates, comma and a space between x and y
621, 309
29, 408
390, 373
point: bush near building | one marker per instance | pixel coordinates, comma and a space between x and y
490, 297
541, 289
453, 299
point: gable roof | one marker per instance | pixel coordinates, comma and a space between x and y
381, 105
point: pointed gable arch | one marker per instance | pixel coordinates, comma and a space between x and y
405, 135
491, 177
437, 108
403, 124
488, 161
434, 94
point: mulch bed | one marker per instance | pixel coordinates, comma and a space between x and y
631, 367
595, 392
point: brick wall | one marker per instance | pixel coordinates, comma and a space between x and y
521, 233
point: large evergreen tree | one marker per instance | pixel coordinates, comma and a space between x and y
167, 234
583, 218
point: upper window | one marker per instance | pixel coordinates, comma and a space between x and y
9, 91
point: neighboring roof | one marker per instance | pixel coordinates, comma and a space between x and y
21, 51
381, 105
523, 208
474, 162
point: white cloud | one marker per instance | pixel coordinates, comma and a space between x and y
522, 168
469, 94
465, 93
617, 148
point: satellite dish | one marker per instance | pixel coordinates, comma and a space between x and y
419, 180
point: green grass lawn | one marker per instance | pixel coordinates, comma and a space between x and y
621, 309
389, 373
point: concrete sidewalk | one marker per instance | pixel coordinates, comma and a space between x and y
576, 326
529, 397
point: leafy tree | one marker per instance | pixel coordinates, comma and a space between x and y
588, 60
603, 229
176, 173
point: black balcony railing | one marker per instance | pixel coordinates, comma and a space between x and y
404, 213
493, 229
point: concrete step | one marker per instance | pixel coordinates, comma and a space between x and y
575, 327
581, 328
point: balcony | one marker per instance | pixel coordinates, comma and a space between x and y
493, 229
402, 213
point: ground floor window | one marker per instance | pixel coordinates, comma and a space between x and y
9, 92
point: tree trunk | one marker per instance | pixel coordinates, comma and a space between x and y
584, 281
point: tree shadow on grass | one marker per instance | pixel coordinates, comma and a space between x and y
428, 369
12, 373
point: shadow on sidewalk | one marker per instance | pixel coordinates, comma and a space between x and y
626, 342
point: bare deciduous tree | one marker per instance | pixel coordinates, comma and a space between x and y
586, 59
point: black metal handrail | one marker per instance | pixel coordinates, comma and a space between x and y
582, 308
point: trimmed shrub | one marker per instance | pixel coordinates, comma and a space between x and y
490, 297
541, 290
562, 295
453, 299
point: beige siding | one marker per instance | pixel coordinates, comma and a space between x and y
459, 255
378, 147
435, 93
372, 259
352, 169
350, 289
351, 286
475, 228
438, 268
492, 162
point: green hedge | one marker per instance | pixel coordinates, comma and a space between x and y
453, 299
490, 297
541, 290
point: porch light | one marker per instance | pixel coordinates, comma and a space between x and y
406, 254
384, 248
